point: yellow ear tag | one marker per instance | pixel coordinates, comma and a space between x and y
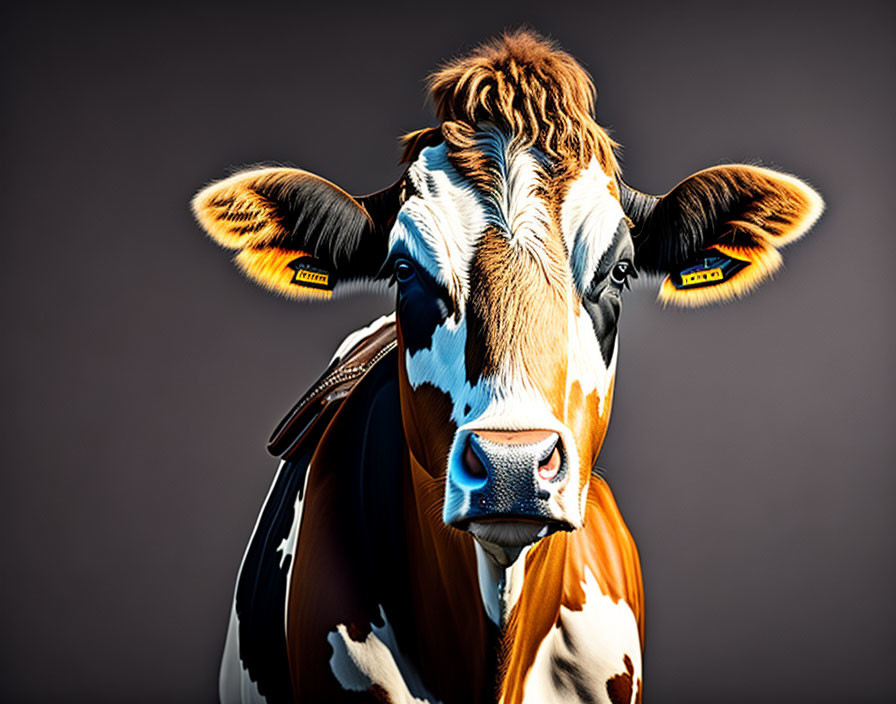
713, 267
310, 273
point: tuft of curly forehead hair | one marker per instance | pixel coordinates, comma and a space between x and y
524, 84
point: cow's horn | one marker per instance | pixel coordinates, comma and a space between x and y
638, 206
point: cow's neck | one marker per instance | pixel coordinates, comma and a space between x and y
534, 604
455, 559
444, 577
501, 572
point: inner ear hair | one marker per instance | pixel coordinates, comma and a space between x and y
716, 235
735, 205
285, 208
275, 216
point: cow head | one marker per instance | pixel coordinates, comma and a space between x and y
510, 240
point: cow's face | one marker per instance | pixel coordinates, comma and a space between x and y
509, 283
510, 248
509, 287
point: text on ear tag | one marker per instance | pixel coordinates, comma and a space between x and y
310, 273
712, 268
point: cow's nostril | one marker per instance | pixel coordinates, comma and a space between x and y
472, 464
548, 469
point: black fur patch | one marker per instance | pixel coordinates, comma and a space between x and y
261, 587
422, 305
603, 302
343, 234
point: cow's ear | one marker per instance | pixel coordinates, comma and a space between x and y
296, 233
716, 234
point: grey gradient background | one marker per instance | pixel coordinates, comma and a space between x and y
752, 445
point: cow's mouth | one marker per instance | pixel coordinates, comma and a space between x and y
513, 531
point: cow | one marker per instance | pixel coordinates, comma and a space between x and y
437, 530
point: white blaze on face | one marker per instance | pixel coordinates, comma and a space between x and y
516, 209
591, 647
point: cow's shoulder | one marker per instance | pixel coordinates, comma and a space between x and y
304, 425
607, 547
348, 587
318, 489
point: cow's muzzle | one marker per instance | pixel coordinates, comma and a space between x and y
509, 482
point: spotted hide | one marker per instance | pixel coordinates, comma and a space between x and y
436, 531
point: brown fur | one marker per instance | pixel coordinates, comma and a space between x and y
516, 314
747, 212
330, 586
316, 606
555, 567
443, 559
554, 575
414, 142
522, 83
619, 687
587, 426
453, 635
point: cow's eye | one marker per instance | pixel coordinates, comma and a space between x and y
621, 272
404, 271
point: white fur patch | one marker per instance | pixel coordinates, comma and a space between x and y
489, 574
441, 364
594, 642
376, 660
234, 684
287, 546
500, 587
589, 219
516, 208
585, 361
441, 226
